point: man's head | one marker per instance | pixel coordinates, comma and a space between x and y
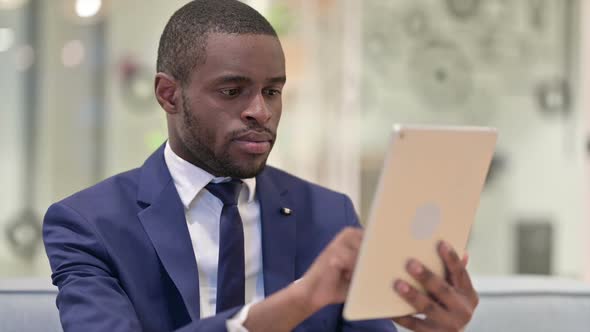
221, 71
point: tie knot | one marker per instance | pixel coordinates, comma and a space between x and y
227, 192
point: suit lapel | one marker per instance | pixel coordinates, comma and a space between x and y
278, 235
165, 224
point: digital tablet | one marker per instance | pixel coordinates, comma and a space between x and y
428, 191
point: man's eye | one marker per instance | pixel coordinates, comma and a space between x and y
230, 92
273, 92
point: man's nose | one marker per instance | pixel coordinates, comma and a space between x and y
257, 110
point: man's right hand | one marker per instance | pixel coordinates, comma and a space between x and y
328, 279
325, 282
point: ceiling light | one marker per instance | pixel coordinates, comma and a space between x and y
88, 8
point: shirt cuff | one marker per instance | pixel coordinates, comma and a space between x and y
236, 323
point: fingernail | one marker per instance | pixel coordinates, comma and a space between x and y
415, 267
401, 286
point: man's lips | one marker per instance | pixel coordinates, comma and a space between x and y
254, 142
254, 136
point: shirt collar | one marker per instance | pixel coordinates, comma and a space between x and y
190, 179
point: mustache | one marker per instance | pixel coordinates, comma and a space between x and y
253, 130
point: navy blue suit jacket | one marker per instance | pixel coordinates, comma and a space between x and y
122, 257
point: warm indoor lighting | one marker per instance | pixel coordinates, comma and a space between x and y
88, 8
6, 39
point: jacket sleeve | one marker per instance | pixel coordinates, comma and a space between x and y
90, 296
378, 325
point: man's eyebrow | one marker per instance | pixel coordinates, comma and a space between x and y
233, 79
244, 79
279, 79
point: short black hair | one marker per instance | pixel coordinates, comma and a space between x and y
183, 43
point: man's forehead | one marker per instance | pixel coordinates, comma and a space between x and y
222, 39
242, 56
236, 78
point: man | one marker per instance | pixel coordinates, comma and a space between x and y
206, 237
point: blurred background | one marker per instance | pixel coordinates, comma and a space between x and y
77, 106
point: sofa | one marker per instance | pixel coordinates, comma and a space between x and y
508, 304
28, 305
530, 303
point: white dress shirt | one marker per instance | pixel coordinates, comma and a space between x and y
203, 212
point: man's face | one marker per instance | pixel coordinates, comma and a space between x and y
232, 106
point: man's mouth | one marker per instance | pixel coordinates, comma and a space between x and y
254, 142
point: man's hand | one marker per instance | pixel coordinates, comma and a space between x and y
449, 304
325, 282
328, 279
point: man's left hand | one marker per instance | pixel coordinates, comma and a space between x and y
448, 304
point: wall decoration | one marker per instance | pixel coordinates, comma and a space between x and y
24, 234
468, 55
441, 74
538, 14
553, 96
416, 23
500, 48
495, 12
381, 38
499, 63
463, 9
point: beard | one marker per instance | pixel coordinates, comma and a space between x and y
199, 142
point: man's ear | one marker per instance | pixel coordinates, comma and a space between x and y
167, 90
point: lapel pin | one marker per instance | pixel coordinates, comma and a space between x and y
286, 211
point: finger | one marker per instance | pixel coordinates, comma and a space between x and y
441, 291
343, 258
425, 305
351, 237
458, 275
349, 244
465, 259
414, 324
452, 263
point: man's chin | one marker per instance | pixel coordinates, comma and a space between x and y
246, 170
